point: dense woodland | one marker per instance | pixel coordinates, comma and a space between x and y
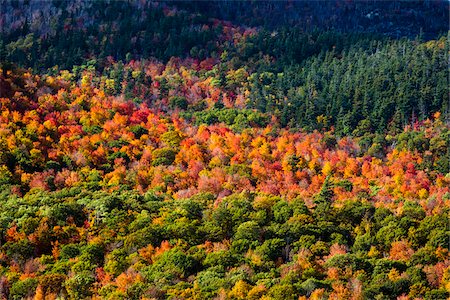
151, 150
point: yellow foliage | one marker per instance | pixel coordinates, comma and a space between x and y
398, 179
158, 221
373, 252
322, 120
442, 253
215, 162
312, 164
25, 177
423, 194
109, 84
85, 81
240, 290
66, 75
264, 202
50, 80
256, 292
327, 168
446, 279
135, 74
394, 275
255, 258
48, 124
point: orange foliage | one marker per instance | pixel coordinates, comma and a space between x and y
401, 251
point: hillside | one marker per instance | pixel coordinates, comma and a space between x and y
178, 150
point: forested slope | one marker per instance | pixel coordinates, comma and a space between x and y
153, 150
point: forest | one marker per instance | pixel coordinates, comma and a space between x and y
178, 150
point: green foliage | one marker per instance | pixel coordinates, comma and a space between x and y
20, 250
377, 90
69, 251
23, 288
163, 156
222, 258
247, 248
271, 249
236, 119
171, 139
117, 261
178, 102
248, 230
323, 199
343, 261
79, 286
138, 130
172, 265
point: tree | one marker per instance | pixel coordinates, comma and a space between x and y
23, 288
79, 286
323, 199
163, 156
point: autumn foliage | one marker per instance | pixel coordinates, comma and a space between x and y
187, 177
